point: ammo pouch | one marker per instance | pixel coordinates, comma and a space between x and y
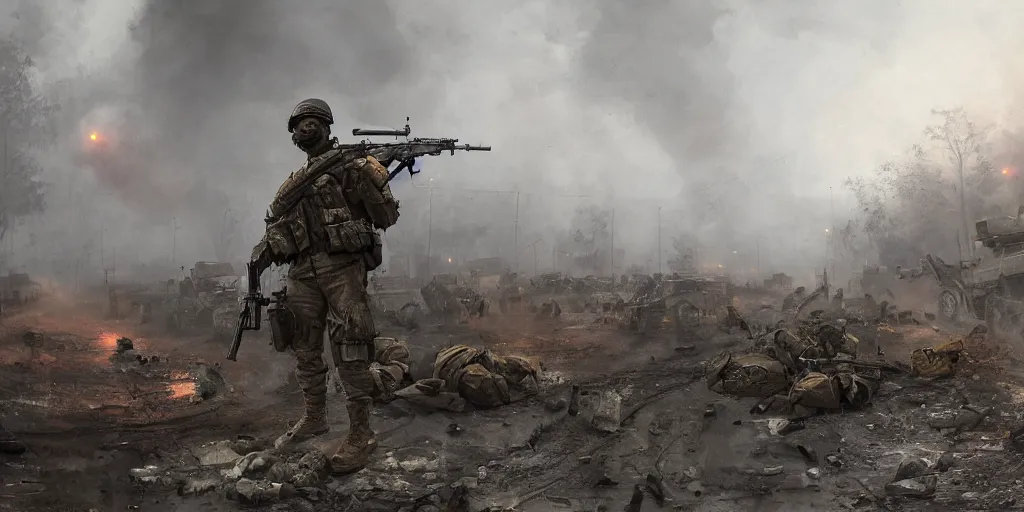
351, 236
284, 327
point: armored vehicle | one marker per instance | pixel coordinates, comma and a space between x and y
208, 300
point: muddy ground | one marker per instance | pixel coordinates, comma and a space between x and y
89, 421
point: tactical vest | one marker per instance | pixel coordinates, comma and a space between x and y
330, 217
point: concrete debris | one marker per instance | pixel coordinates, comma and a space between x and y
603, 410
145, 475
218, 453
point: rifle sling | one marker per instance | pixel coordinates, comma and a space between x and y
292, 198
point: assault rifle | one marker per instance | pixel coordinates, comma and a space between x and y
251, 316
405, 153
387, 153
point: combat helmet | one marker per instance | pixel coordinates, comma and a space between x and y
312, 107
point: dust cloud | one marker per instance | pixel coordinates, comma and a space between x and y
730, 124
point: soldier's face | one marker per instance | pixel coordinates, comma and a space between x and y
309, 133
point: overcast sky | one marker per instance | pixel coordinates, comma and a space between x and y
736, 116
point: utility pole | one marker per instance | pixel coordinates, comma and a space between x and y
659, 239
611, 260
174, 238
430, 222
517, 232
757, 244
534, 246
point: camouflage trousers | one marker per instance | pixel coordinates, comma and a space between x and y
329, 293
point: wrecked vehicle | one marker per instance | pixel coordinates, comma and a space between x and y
396, 299
452, 302
991, 287
685, 300
208, 299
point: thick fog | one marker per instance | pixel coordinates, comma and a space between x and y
734, 123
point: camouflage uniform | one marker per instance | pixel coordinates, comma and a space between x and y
329, 237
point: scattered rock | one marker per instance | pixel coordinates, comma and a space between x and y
124, 345
946, 462
809, 453
921, 487
970, 496
574, 401
555, 404
911, 467
636, 500
814, 473
418, 464
219, 453
607, 410
146, 475
208, 381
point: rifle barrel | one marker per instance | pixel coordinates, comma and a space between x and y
404, 132
468, 147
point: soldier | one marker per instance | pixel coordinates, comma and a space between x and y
330, 240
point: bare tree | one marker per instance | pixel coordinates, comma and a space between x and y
962, 141
684, 261
25, 118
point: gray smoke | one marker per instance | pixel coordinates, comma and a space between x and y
734, 117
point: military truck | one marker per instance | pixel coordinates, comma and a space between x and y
990, 287
207, 300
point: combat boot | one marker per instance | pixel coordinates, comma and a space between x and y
312, 423
9, 444
355, 450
